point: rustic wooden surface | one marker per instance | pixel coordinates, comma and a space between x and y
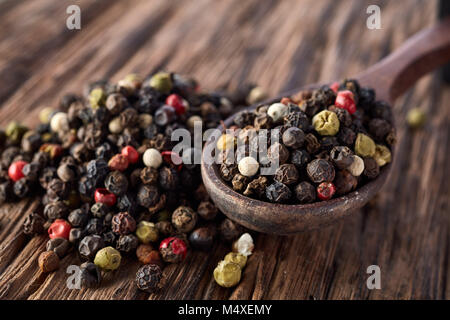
280, 45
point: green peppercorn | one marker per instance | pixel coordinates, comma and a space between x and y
147, 232
46, 114
161, 82
15, 131
97, 98
416, 118
227, 274
326, 123
364, 145
108, 259
382, 155
237, 258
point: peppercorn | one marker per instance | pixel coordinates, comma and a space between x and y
161, 82
277, 111
15, 170
227, 274
184, 219
237, 258
278, 192
364, 146
33, 224
226, 142
76, 234
117, 183
118, 162
31, 171
123, 223
97, 98
320, 170
202, 238
326, 123
152, 158
31, 141
228, 171
115, 103
89, 275
148, 196
287, 174
173, 250
382, 155
90, 245
345, 182
256, 187
305, 192
56, 210
165, 228
230, 231
207, 210
94, 226
102, 195
312, 143
248, 166
168, 178
371, 168
278, 153
59, 229
346, 100
108, 259
379, 128
326, 190
21, 188
356, 168
48, 261
99, 210
148, 277
147, 255
293, 137
57, 190
341, 156
59, 245
127, 243
244, 245
147, 232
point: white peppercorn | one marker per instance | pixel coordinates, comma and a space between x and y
357, 166
277, 111
152, 158
248, 166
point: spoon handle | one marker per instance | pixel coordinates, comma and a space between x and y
419, 55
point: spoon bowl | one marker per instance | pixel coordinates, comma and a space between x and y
390, 77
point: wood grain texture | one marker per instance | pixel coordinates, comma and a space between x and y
280, 45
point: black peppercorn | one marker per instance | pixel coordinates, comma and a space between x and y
287, 174
148, 196
320, 170
33, 224
230, 230
345, 182
123, 223
379, 128
56, 210
57, 190
165, 228
297, 119
90, 275
149, 175
148, 277
346, 136
127, 203
67, 172
168, 178
207, 210
78, 218
202, 238
117, 183
278, 192
256, 187
305, 192
228, 171
21, 188
110, 238
31, 171
278, 153
89, 246
127, 243
293, 137
76, 234
94, 226
312, 143
341, 156
300, 158
59, 245
371, 168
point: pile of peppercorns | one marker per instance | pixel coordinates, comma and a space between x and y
109, 183
331, 140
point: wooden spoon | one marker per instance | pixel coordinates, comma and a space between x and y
390, 78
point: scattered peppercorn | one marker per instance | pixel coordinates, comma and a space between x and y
173, 250
48, 261
148, 277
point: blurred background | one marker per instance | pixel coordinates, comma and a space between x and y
279, 45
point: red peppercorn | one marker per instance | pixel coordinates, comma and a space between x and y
131, 154
173, 249
335, 86
172, 158
177, 103
102, 195
118, 162
345, 100
59, 229
326, 190
15, 170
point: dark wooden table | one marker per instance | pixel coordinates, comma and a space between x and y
280, 45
